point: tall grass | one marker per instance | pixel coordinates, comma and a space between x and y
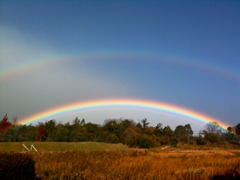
139, 164
60, 146
90, 160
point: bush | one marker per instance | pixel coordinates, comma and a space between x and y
16, 166
211, 137
200, 141
173, 142
141, 142
112, 138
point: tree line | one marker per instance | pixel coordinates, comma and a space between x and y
124, 131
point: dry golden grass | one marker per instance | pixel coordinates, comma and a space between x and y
139, 164
60, 146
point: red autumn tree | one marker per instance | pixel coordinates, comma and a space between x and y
4, 125
41, 132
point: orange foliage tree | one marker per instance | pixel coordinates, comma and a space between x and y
4, 125
41, 132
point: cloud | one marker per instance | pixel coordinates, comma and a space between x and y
47, 86
17, 48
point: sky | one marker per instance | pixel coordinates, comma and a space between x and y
185, 53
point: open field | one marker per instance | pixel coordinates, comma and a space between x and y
116, 161
60, 146
139, 164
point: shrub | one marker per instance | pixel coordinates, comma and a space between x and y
141, 142
173, 142
16, 166
211, 137
200, 141
112, 138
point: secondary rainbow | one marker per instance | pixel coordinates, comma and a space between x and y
166, 58
120, 103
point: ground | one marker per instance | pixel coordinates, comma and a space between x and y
91, 160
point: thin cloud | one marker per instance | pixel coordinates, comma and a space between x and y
47, 86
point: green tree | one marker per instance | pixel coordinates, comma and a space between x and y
213, 133
230, 130
238, 129
141, 142
145, 124
62, 133
12, 133
92, 131
211, 137
180, 133
129, 134
126, 124
189, 132
158, 130
229, 136
200, 141
25, 133
212, 127
167, 133
112, 126
50, 127
78, 122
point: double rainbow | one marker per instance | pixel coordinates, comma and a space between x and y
122, 103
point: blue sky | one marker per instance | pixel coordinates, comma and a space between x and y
185, 53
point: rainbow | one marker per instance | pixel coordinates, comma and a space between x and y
122, 103
48, 61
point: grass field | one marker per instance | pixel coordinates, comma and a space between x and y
60, 146
139, 164
115, 161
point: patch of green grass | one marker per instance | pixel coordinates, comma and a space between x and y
60, 146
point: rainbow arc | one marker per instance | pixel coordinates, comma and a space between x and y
122, 103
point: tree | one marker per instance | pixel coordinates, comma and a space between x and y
62, 133
129, 134
212, 127
126, 124
229, 136
41, 132
92, 131
200, 141
211, 137
189, 131
230, 130
12, 134
213, 132
82, 123
26, 133
139, 126
141, 142
50, 127
4, 125
78, 122
180, 133
158, 130
144, 124
238, 129
112, 127
167, 133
